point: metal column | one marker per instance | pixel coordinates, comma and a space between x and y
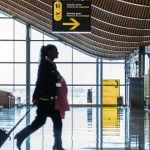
97, 80
125, 82
101, 103
101, 81
142, 60
127, 75
97, 102
28, 27
148, 81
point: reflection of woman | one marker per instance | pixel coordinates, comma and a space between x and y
44, 96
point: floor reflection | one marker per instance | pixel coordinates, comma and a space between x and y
87, 128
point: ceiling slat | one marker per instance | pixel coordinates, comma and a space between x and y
117, 26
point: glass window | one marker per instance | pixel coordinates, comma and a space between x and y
7, 88
65, 52
6, 28
6, 49
6, 72
20, 51
84, 73
20, 91
20, 31
114, 71
69, 95
35, 51
81, 57
80, 94
33, 75
20, 73
66, 71
36, 35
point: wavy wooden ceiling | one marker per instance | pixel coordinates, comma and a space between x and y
118, 26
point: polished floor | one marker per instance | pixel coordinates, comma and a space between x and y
84, 128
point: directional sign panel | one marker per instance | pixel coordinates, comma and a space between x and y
111, 90
71, 16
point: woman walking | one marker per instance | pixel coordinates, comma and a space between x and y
44, 97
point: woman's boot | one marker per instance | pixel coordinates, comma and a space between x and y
58, 148
22, 135
57, 140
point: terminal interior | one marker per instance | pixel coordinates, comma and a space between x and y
106, 70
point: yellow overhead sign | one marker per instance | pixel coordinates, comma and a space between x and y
71, 16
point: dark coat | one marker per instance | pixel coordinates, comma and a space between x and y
46, 81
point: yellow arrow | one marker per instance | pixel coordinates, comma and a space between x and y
74, 23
